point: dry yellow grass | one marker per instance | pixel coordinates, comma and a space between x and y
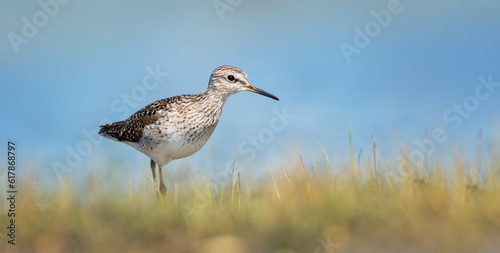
295, 208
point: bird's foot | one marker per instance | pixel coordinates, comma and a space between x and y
157, 191
163, 190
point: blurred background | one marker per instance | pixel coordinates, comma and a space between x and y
394, 69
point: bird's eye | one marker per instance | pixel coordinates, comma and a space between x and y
230, 78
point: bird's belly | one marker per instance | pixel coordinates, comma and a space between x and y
164, 145
177, 148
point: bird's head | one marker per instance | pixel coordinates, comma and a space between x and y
230, 80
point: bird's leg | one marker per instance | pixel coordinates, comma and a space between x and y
163, 188
153, 167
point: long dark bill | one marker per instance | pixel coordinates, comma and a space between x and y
261, 92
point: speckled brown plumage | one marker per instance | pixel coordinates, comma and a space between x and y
131, 129
177, 127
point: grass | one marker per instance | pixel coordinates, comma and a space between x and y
363, 207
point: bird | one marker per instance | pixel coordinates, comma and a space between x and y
177, 127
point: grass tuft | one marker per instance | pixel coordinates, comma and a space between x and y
302, 209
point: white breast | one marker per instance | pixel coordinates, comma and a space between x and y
164, 143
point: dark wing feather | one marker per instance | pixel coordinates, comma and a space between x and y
132, 128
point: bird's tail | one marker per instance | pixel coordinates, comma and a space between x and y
113, 131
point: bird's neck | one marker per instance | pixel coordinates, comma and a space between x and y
216, 95
210, 103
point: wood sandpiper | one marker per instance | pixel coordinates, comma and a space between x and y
177, 127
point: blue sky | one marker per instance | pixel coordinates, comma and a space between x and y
72, 74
